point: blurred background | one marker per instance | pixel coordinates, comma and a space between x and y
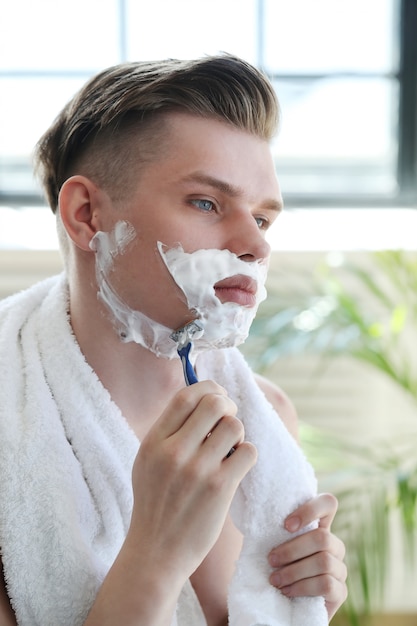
338, 331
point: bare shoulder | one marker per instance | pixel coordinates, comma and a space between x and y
281, 403
7, 617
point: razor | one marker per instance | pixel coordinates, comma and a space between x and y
183, 337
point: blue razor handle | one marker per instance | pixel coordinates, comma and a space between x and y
189, 373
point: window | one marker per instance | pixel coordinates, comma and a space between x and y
345, 72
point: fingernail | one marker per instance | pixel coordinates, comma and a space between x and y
292, 524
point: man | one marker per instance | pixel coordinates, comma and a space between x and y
163, 184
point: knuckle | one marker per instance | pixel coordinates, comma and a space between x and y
219, 405
182, 400
339, 548
234, 425
344, 573
213, 387
251, 453
328, 585
214, 403
323, 539
208, 387
325, 562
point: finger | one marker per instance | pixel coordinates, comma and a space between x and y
215, 414
302, 546
241, 461
333, 590
323, 508
182, 406
227, 441
322, 564
227, 433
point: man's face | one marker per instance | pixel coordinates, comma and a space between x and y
214, 187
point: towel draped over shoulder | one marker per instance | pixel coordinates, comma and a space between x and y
66, 455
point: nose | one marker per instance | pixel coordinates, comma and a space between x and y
247, 241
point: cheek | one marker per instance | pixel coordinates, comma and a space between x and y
134, 271
143, 282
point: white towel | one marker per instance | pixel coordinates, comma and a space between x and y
66, 454
65, 464
281, 480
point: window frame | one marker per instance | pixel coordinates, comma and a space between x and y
406, 76
407, 139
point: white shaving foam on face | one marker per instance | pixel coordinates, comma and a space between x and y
196, 273
225, 324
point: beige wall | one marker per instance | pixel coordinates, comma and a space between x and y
21, 268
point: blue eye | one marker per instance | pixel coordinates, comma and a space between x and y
204, 205
262, 222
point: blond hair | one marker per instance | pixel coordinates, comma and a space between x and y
93, 133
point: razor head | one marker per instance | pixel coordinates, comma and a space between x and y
184, 335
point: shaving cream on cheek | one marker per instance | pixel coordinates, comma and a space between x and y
129, 324
195, 274
225, 324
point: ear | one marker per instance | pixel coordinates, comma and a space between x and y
80, 204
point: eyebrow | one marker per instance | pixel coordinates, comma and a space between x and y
230, 190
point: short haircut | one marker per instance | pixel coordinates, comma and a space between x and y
93, 133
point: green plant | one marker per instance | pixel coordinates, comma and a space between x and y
367, 311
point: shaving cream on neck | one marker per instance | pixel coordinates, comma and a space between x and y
196, 273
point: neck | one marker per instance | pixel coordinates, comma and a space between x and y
139, 382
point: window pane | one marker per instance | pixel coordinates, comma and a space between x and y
189, 29
304, 36
30, 106
338, 136
51, 34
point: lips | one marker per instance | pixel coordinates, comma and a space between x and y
239, 289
